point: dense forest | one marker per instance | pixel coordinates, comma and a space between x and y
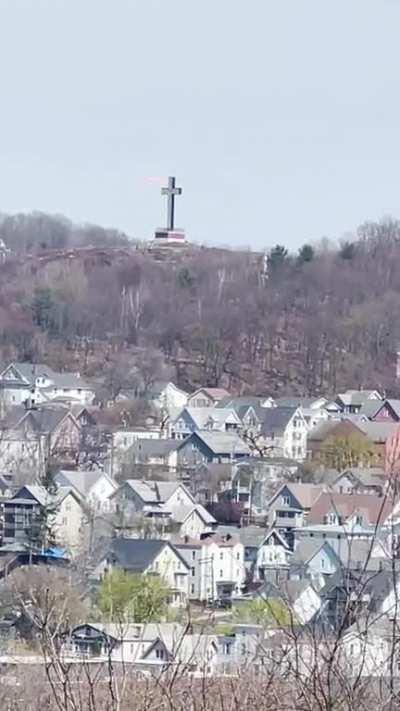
316, 321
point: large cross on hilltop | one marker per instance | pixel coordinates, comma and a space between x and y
171, 191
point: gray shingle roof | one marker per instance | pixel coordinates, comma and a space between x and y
135, 553
276, 419
155, 447
224, 443
82, 481
31, 371
155, 492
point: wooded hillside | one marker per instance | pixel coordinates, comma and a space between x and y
318, 321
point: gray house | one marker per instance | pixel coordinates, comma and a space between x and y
205, 446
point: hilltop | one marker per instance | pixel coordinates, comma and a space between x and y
323, 319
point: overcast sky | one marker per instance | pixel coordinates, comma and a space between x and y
280, 118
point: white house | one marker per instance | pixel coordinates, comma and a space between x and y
135, 495
284, 432
273, 553
39, 383
194, 520
167, 396
149, 557
93, 487
192, 419
217, 566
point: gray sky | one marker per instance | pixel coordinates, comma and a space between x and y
280, 118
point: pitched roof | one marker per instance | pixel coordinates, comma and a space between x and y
375, 509
378, 432
395, 405
250, 536
238, 402
31, 371
276, 419
327, 429
136, 554
307, 549
154, 492
43, 419
305, 494
183, 512
357, 397
82, 481
214, 393
370, 408
371, 476
155, 447
222, 442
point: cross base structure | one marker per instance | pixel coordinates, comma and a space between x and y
165, 235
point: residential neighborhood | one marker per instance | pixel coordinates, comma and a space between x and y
238, 511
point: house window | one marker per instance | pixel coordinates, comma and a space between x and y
160, 653
243, 649
221, 556
193, 572
193, 555
286, 500
237, 556
192, 589
221, 573
322, 563
227, 648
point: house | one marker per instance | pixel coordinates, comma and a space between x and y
289, 507
370, 649
359, 480
320, 437
255, 479
284, 432
273, 556
252, 538
24, 512
135, 495
351, 401
93, 487
167, 396
313, 558
208, 479
165, 502
209, 446
206, 397
350, 510
379, 433
30, 437
217, 566
191, 419
194, 520
147, 556
339, 537
300, 597
370, 593
39, 383
155, 452
313, 409
147, 646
